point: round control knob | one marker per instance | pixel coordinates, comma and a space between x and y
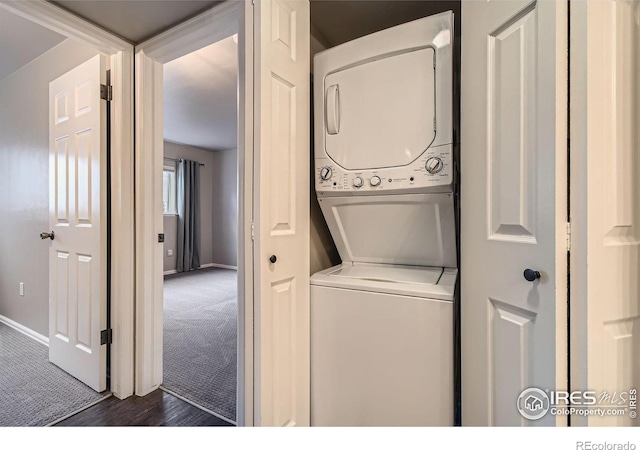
358, 182
375, 180
434, 165
325, 173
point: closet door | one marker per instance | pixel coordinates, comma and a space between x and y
281, 215
513, 210
605, 205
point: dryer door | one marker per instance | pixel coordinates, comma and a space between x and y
381, 113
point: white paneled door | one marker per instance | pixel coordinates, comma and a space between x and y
282, 213
513, 206
77, 218
606, 135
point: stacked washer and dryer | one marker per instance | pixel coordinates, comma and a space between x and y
382, 321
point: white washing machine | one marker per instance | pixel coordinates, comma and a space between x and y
382, 321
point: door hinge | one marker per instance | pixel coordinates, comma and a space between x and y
106, 92
568, 236
253, 231
106, 336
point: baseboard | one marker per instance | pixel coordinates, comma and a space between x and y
204, 266
24, 330
219, 266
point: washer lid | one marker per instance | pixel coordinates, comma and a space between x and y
381, 113
433, 283
412, 229
389, 274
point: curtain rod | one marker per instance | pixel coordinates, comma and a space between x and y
177, 160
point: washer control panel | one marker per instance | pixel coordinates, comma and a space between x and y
434, 165
326, 172
434, 169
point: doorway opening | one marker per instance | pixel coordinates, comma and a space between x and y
200, 225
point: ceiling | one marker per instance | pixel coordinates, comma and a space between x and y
200, 97
340, 21
22, 41
136, 20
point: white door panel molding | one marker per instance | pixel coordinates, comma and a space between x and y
513, 206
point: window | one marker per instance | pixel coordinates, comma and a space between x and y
169, 190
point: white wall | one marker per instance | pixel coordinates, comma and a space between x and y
24, 183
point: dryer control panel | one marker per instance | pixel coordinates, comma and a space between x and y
431, 172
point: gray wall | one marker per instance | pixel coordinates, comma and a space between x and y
218, 203
24, 183
225, 208
323, 252
170, 229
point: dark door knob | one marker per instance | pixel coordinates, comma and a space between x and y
45, 235
531, 275
273, 258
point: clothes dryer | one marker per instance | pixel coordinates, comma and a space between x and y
383, 122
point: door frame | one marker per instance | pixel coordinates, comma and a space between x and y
120, 53
578, 201
218, 23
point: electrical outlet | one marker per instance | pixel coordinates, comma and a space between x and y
169, 252
21, 289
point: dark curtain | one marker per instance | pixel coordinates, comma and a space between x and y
188, 188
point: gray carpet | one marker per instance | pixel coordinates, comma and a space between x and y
34, 392
200, 338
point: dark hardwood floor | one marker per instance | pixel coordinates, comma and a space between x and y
156, 409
